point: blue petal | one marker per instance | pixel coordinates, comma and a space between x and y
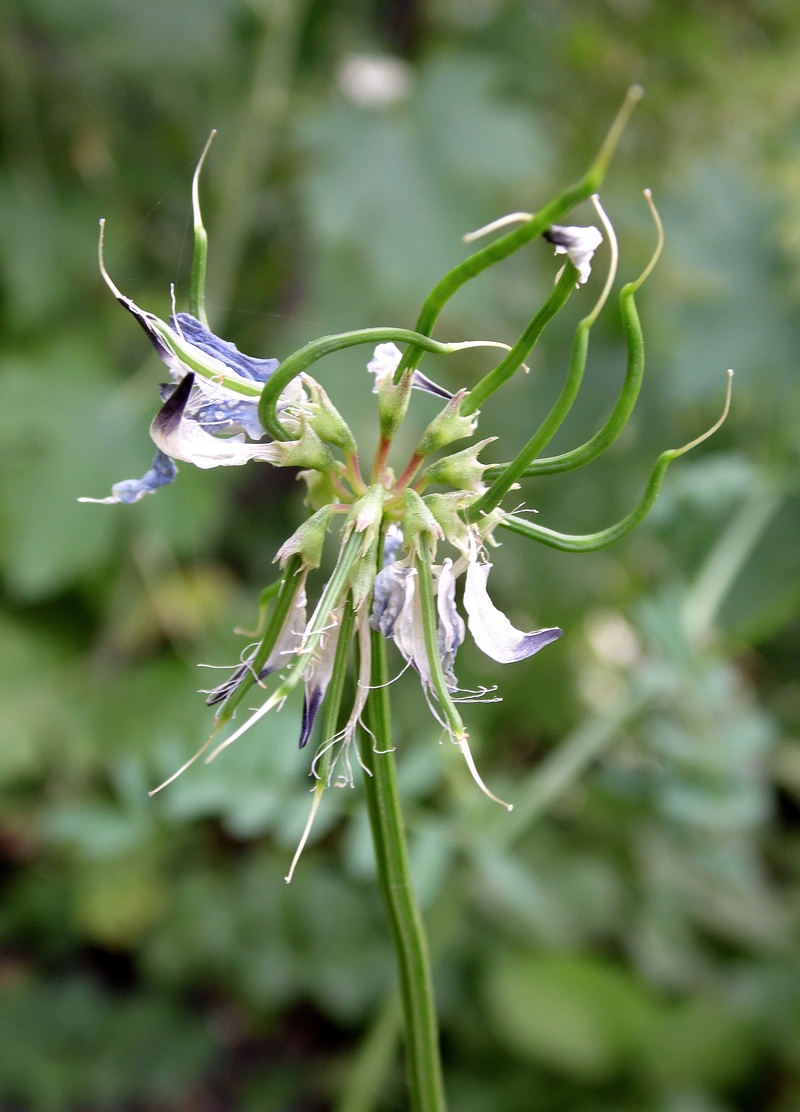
161, 473
257, 370
220, 416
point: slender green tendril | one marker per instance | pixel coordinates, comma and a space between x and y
512, 362
285, 589
304, 357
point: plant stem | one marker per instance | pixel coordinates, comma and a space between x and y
423, 1062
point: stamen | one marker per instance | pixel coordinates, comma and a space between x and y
466, 753
183, 767
501, 222
306, 831
612, 266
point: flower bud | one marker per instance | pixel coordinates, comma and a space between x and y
460, 470
308, 451
446, 509
326, 420
307, 541
449, 425
417, 518
393, 402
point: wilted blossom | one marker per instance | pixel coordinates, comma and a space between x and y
204, 400
578, 244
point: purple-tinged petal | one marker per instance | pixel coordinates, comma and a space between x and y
388, 598
162, 472
422, 382
180, 437
491, 630
318, 676
578, 244
451, 631
393, 542
196, 333
222, 416
288, 641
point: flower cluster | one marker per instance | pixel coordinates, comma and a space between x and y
222, 408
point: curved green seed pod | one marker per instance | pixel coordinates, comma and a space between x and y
591, 542
304, 357
513, 361
512, 241
197, 288
629, 394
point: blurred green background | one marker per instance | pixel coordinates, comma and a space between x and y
628, 939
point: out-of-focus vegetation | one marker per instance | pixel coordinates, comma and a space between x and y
628, 938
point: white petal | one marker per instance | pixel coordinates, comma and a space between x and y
318, 676
491, 630
384, 362
181, 438
579, 244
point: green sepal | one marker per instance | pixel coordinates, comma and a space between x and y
326, 421
308, 451
447, 426
418, 519
392, 403
307, 541
461, 469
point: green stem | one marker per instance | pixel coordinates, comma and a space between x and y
504, 370
512, 241
394, 876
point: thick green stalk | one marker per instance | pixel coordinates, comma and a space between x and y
394, 875
512, 241
504, 370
